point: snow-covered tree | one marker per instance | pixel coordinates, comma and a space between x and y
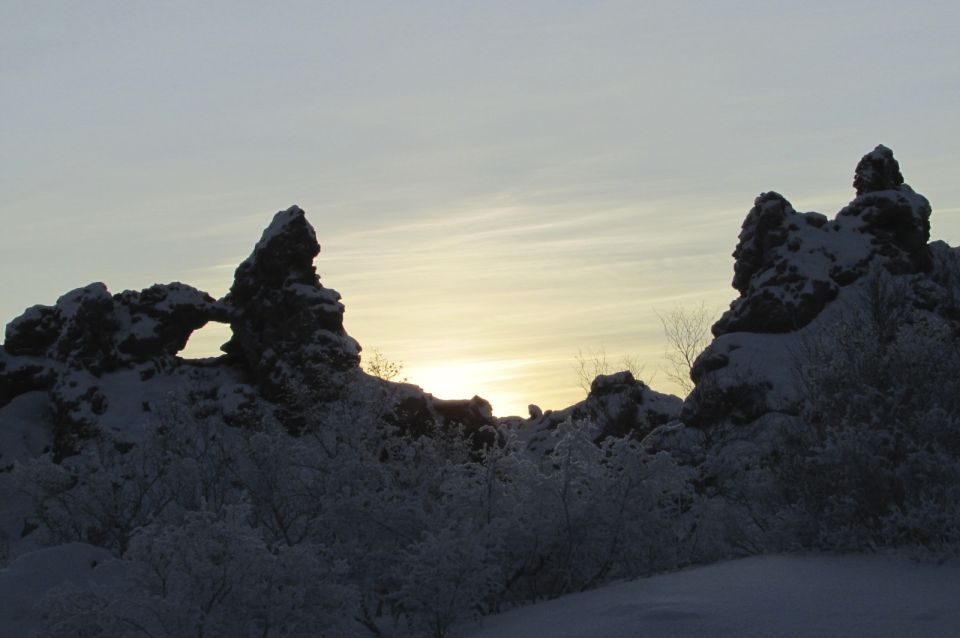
882, 461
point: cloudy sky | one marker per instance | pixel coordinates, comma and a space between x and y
495, 185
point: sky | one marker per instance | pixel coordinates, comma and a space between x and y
496, 186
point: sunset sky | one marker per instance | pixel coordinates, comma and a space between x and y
495, 185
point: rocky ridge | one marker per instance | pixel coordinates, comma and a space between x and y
617, 405
287, 333
797, 274
789, 269
800, 278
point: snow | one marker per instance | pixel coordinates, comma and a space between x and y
327, 295
780, 595
69, 303
178, 294
25, 431
29, 579
25, 427
279, 224
135, 404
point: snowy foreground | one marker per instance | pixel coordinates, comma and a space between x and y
760, 596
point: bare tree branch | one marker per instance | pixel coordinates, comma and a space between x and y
688, 332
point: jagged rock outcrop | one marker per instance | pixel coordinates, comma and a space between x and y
877, 171
98, 354
286, 326
617, 405
66, 348
790, 265
91, 329
800, 277
162, 318
413, 411
624, 405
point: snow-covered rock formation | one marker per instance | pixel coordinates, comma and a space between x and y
108, 360
796, 271
801, 278
104, 362
789, 265
618, 405
67, 349
286, 326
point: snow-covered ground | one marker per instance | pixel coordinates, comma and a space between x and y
28, 581
780, 596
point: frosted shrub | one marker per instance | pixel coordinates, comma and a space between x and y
216, 576
446, 578
233, 531
883, 460
213, 576
100, 497
285, 485
591, 513
644, 498
104, 494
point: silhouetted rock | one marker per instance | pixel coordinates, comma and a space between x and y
800, 278
789, 265
160, 319
777, 293
79, 330
97, 354
898, 223
78, 403
33, 332
66, 348
617, 405
877, 171
789, 268
474, 416
623, 405
286, 326
19, 375
418, 413
90, 329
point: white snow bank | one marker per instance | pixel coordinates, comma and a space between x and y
760, 596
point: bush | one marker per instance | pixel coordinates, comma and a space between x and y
882, 463
231, 531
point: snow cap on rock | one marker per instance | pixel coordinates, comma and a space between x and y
877, 171
287, 328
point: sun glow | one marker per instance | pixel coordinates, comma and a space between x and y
492, 380
206, 341
451, 380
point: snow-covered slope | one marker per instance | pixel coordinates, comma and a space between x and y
762, 596
26, 583
778, 595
